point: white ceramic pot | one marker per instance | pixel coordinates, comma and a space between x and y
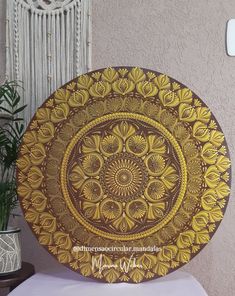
10, 251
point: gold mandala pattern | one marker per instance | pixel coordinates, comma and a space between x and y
124, 157
123, 176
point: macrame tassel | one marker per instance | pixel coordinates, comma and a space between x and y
62, 52
45, 46
58, 49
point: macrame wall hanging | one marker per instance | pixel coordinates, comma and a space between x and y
48, 43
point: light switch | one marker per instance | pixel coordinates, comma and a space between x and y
231, 37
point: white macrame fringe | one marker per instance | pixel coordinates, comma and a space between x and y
45, 48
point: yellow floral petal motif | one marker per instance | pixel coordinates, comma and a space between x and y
43, 115
200, 221
222, 190
202, 237
45, 238
92, 164
194, 167
161, 268
60, 112
71, 86
147, 261
155, 190
124, 130
123, 223
85, 268
136, 275
201, 132
24, 163
150, 75
185, 95
114, 104
203, 114
91, 210
169, 177
194, 184
46, 132
180, 131
77, 177
79, 118
84, 81
96, 75
209, 199
223, 163
215, 214
137, 145
146, 89
187, 113
155, 164
212, 176
209, 153
168, 98
110, 209
111, 275
62, 96
123, 86
167, 253
92, 190
24, 190
62, 240
157, 144
91, 144
132, 104
162, 82
183, 255
123, 72
136, 75
110, 145
100, 89
185, 239
156, 210
32, 216
190, 149
64, 256
30, 138
48, 222
35, 177
78, 98
96, 109
137, 208
39, 200
168, 119
151, 110
109, 75
37, 154
216, 138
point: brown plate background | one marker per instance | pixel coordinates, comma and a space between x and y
123, 157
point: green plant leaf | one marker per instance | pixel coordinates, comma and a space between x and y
6, 110
16, 101
19, 109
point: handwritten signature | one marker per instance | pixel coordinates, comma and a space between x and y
124, 265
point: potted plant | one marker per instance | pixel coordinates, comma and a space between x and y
11, 131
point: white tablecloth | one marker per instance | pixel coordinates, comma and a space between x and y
63, 282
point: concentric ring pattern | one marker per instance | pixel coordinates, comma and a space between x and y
123, 158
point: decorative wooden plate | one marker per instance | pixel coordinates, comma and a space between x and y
123, 174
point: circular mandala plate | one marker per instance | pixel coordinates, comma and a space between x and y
123, 174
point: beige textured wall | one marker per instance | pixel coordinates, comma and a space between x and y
186, 40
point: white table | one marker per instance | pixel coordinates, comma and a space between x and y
64, 282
